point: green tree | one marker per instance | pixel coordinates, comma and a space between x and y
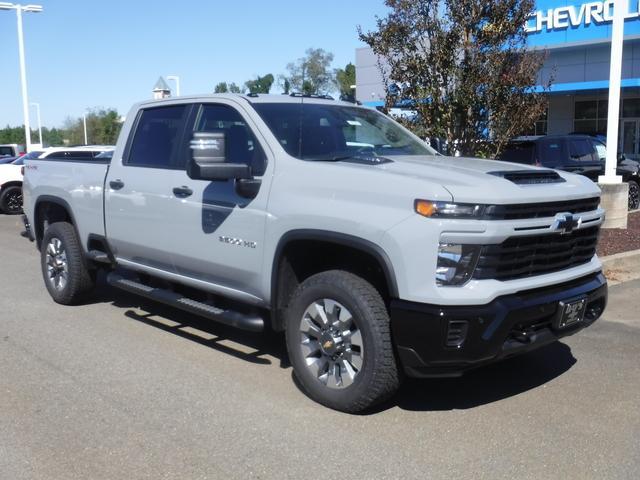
103, 127
345, 78
312, 74
465, 68
260, 84
222, 87
233, 88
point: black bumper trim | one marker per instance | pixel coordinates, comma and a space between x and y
509, 325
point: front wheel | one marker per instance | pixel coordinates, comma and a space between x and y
339, 342
64, 269
634, 195
11, 200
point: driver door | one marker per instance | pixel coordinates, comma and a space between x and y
219, 233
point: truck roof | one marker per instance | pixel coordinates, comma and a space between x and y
250, 98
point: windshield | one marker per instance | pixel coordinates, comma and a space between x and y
312, 131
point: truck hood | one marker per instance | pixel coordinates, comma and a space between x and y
469, 180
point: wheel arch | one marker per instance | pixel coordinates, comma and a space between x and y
284, 278
12, 183
52, 209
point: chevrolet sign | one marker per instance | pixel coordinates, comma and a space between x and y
575, 16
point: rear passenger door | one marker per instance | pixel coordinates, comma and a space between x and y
140, 206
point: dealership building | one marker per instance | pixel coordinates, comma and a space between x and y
576, 34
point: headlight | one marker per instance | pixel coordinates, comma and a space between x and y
430, 209
456, 263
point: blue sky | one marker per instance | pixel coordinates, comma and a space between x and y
110, 53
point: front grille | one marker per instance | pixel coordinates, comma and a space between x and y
540, 210
526, 256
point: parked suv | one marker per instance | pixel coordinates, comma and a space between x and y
331, 223
581, 154
11, 150
11, 173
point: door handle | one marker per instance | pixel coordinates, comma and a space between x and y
182, 192
116, 184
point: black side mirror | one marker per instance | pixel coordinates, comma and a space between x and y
209, 160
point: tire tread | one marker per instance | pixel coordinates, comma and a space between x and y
386, 377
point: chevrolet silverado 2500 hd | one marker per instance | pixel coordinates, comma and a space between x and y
375, 255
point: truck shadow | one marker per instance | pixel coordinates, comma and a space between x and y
479, 387
485, 385
258, 348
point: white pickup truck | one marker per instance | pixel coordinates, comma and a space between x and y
375, 255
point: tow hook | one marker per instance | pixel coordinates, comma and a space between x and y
524, 336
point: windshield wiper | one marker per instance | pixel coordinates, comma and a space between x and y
367, 160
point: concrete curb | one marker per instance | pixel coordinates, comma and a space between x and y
621, 267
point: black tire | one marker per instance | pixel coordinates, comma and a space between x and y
11, 200
378, 377
634, 195
70, 264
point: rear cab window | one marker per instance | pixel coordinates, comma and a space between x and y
157, 136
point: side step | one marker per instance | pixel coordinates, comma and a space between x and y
250, 322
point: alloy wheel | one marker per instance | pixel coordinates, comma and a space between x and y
331, 343
14, 201
57, 266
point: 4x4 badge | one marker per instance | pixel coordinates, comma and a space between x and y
566, 223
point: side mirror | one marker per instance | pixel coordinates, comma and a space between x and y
209, 161
621, 157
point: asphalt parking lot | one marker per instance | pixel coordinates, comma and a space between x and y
124, 389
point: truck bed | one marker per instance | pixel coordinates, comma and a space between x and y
78, 183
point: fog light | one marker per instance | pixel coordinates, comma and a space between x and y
456, 263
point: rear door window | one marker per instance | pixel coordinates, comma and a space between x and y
156, 138
521, 152
552, 153
581, 150
601, 150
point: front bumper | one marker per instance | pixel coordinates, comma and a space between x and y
509, 325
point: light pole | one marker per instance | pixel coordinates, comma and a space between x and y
84, 123
37, 105
23, 75
176, 79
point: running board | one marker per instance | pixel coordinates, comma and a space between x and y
250, 322
98, 256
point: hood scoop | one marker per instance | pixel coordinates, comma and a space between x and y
529, 177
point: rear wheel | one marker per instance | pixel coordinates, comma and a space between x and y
634, 195
63, 265
11, 200
339, 342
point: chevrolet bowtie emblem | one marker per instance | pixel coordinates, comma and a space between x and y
566, 223
327, 344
